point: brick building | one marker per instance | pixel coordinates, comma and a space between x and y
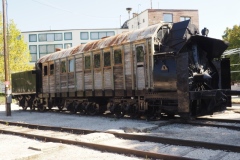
153, 16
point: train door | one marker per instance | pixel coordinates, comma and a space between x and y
140, 67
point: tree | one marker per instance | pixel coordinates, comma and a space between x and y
18, 51
232, 35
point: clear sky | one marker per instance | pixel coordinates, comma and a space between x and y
34, 15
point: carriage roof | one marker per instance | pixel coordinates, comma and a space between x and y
118, 39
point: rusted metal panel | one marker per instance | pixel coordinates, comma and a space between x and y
118, 39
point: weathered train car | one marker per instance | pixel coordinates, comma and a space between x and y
164, 68
25, 86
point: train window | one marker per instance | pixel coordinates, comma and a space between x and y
71, 65
140, 53
117, 56
44, 70
96, 60
51, 69
107, 60
63, 67
87, 62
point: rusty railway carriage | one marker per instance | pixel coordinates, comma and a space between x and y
162, 69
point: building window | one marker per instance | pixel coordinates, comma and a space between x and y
94, 35
33, 49
184, 18
71, 65
58, 37
57, 46
110, 33
140, 53
117, 56
102, 34
67, 45
50, 37
96, 60
68, 36
84, 36
107, 59
99, 35
143, 20
51, 69
50, 48
42, 37
45, 49
63, 67
32, 38
167, 17
33, 52
44, 70
87, 62
42, 49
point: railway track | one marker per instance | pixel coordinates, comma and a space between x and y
142, 139
219, 123
210, 122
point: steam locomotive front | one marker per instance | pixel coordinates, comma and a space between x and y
191, 65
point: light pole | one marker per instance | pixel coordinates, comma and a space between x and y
129, 10
7, 83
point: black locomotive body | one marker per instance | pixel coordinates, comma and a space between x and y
162, 69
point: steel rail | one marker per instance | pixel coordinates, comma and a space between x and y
207, 124
220, 120
104, 148
141, 138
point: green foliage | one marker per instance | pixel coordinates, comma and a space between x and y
18, 51
232, 35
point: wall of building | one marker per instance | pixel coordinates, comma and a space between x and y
154, 16
138, 21
41, 43
157, 15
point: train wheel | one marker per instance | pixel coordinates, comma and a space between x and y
41, 108
151, 113
25, 106
34, 104
92, 109
118, 110
73, 107
134, 111
60, 108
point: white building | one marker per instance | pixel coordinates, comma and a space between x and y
41, 43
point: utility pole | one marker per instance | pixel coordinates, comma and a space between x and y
7, 83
